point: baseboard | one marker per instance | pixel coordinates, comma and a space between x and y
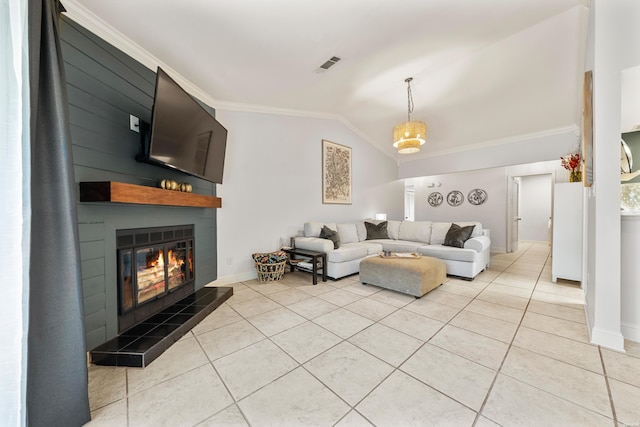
234, 278
606, 338
630, 331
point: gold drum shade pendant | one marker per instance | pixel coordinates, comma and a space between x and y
409, 136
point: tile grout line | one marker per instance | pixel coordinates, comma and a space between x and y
606, 380
235, 402
506, 354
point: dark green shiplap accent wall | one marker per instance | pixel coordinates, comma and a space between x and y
105, 86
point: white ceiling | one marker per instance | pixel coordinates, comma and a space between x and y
484, 70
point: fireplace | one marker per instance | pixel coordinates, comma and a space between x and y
156, 268
157, 299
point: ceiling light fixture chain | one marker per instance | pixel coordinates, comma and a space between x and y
409, 136
409, 99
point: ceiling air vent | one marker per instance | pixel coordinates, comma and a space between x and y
328, 64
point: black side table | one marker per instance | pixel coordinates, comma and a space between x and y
318, 262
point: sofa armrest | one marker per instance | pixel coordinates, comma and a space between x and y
314, 244
478, 243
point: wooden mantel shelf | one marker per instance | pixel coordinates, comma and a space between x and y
120, 192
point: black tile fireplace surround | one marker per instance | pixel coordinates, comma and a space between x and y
140, 345
157, 300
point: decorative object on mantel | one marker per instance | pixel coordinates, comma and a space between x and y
336, 173
477, 196
455, 198
435, 199
409, 136
170, 184
571, 162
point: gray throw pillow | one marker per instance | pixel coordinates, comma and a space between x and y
456, 236
378, 231
327, 233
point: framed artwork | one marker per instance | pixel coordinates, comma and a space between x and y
336, 173
587, 130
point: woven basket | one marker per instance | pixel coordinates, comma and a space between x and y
270, 272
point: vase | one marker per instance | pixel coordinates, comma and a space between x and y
575, 176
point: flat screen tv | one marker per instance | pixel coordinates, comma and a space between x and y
185, 136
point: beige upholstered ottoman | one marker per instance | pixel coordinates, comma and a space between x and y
413, 276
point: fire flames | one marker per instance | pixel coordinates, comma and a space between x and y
151, 280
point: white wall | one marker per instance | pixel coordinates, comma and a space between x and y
630, 99
610, 50
272, 184
493, 213
524, 149
535, 207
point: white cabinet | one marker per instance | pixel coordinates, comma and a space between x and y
566, 248
630, 276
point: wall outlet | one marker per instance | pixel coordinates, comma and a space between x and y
134, 123
229, 260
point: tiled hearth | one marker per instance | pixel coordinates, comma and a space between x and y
140, 345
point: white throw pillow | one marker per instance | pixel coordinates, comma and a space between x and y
439, 232
393, 229
348, 233
362, 231
416, 231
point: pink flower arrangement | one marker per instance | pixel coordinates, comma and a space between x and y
571, 162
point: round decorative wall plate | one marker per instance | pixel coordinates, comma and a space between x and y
435, 199
455, 198
477, 196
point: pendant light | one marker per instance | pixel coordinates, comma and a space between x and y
409, 136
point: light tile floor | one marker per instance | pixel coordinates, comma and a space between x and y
510, 348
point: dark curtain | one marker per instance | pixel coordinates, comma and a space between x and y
57, 391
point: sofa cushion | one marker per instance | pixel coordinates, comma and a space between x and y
439, 232
327, 233
373, 247
314, 244
449, 253
400, 245
312, 229
415, 231
348, 252
393, 229
376, 231
362, 231
348, 233
456, 236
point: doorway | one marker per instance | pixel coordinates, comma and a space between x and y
529, 209
409, 202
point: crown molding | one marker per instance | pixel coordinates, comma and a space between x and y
82, 16
79, 14
492, 143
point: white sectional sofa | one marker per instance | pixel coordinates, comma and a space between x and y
423, 237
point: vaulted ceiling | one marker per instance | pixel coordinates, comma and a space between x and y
484, 70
